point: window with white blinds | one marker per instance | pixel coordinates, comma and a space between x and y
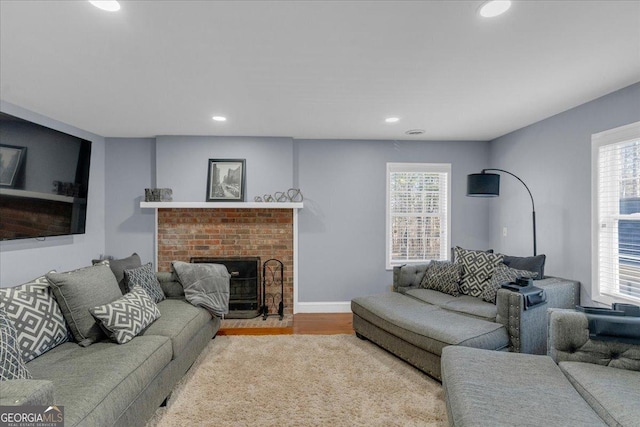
616, 215
418, 212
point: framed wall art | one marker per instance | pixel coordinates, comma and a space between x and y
226, 180
11, 161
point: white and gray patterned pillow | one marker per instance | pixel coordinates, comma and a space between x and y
125, 317
442, 276
146, 279
36, 316
12, 366
477, 269
503, 275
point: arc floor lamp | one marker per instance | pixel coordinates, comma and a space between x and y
485, 184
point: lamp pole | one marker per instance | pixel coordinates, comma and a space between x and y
533, 206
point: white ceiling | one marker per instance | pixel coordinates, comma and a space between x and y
313, 69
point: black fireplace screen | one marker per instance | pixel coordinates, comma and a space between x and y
244, 290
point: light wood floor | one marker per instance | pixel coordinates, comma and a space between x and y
310, 324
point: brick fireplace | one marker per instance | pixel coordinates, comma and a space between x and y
187, 232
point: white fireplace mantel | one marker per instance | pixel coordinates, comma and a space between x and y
221, 205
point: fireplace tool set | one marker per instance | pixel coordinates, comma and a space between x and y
271, 282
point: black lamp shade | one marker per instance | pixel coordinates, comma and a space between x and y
483, 185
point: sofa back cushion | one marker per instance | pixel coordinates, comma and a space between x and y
118, 266
408, 275
36, 315
569, 341
77, 291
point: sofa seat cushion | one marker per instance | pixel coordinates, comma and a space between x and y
96, 384
492, 388
613, 393
463, 304
427, 326
179, 321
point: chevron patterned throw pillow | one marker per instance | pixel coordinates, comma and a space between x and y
125, 317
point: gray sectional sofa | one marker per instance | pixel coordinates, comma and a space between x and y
416, 323
582, 382
110, 384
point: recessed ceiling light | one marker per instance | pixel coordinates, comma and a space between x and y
392, 119
415, 132
490, 9
108, 5
219, 118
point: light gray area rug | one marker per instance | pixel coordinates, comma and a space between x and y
302, 380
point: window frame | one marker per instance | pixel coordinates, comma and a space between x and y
417, 168
617, 135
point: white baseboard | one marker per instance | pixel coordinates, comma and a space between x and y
323, 307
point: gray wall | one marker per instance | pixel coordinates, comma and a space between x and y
342, 226
553, 157
23, 260
130, 169
182, 163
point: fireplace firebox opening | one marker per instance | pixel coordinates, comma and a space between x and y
244, 290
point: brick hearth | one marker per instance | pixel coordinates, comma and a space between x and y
228, 232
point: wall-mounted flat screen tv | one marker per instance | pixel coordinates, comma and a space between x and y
44, 180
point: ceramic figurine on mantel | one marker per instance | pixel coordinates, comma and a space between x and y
158, 195
292, 195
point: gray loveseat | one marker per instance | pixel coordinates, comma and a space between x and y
109, 384
416, 324
583, 382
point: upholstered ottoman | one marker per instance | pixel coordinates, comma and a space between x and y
417, 331
493, 389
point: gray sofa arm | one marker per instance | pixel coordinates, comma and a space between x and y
569, 341
408, 276
170, 284
26, 392
528, 328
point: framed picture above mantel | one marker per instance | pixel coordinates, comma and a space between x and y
226, 180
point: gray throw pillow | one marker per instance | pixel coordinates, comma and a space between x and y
442, 276
477, 269
12, 366
36, 316
145, 278
501, 276
529, 263
118, 266
127, 316
77, 291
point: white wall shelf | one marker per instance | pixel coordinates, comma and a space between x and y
220, 205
